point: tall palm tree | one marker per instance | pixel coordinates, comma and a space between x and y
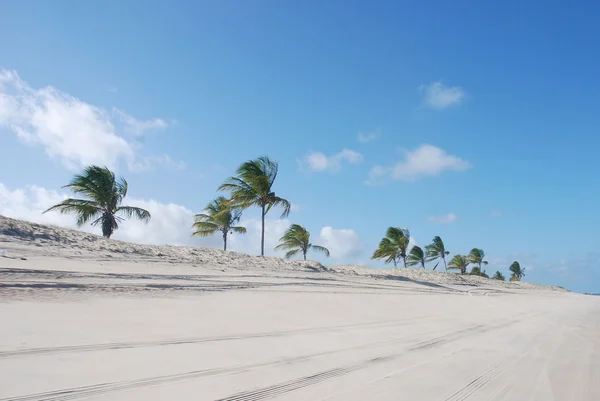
104, 193
416, 257
218, 216
253, 186
517, 272
499, 276
297, 239
435, 251
459, 262
394, 246
476, 257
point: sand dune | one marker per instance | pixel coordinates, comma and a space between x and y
88, 318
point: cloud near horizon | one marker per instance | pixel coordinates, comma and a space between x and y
319, 162
426, 160
437, 96
71, 131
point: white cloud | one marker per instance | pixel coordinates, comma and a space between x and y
444, 219
70, 130
150, 162
368, 136
139, 127
318, 162
496, 213
343, 244
437, 96
426, 160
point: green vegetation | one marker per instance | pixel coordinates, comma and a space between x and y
218, 216
297, 239
104, 194
517, 272
253, 186
416, 257
459, 262
435, 251
499, 276
394, 246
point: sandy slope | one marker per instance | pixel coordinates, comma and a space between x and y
86, 318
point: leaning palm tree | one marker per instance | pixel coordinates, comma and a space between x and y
297, 239
459, 262
394, 246
435, 251
218, 216
253, 186
517, 272
476, 257
499, 276
104, 193
416, 257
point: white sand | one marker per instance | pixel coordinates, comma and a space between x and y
87, 318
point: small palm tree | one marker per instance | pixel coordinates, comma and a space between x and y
297, 239
416, 257
517, 272
218, 216
459, 262
435, 251
476, 257
104, 193
476, 271
499, 276
394, 246
253, 186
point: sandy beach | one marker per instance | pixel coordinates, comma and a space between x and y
88, 318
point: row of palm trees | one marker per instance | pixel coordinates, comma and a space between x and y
251, 186
395, 247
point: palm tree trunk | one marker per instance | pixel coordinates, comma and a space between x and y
107, 228
262, 234
304, 253
225, 240
404, 260
395, 263
445, 267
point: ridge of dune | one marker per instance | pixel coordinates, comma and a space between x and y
26, 238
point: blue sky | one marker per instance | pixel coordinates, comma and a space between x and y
475, 121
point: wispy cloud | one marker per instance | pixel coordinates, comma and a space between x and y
437, 96
496, 213
71, 131
319, 162
139, 127
443, 219
365, 137
426, 160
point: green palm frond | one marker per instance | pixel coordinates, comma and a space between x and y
297, 239
517, 272
219, 216
476, 256
459, 262
393, 246
253, 186
499, 276
104, 193
416, 257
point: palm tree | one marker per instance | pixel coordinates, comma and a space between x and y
253, 186
476, 257
476, 271
499, 276
517, 272
416, 257
459, 262
393, 247
297, 239
104, 193
219, 216
435, 251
